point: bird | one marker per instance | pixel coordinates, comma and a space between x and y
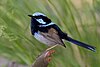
47, 32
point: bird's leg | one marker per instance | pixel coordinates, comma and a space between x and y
51, 47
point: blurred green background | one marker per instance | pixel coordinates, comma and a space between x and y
79, 18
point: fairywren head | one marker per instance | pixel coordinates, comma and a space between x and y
40, 18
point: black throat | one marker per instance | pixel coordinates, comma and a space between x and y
34, 27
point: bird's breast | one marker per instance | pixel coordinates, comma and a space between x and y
42, 39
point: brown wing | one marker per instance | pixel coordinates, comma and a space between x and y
53, 36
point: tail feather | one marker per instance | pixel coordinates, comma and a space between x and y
81, 44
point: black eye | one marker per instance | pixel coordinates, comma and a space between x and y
46, 19
37, 17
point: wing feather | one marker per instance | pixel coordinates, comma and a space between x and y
53, 36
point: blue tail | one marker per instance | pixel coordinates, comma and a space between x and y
81, 44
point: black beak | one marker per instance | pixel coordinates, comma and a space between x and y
30, 15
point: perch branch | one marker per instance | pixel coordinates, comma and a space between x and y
43, 59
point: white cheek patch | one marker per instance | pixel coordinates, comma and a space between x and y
41, 21
47, 24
